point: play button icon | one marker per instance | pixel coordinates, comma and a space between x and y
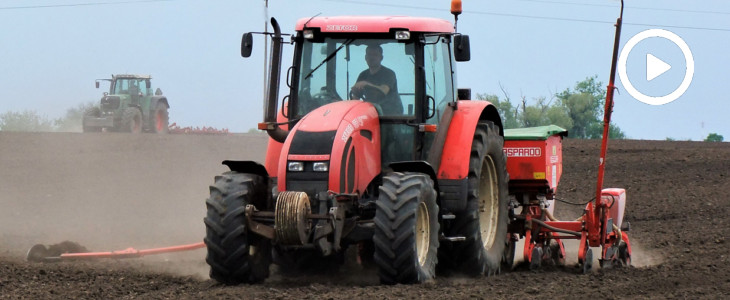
655, 67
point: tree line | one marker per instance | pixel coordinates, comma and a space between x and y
578, 109
32, 121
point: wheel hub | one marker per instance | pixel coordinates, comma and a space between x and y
488, 202
423, 233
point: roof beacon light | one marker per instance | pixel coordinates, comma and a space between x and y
403, 35
456, 11
456, 7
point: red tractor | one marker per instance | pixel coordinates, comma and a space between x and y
374, 147
412, 175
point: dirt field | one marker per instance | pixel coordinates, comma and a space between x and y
112, 191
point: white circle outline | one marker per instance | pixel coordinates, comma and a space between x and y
689, 72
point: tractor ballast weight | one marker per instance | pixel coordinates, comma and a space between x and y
130, 105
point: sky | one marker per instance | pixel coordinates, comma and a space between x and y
52, 51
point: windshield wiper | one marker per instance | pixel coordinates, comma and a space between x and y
326, 59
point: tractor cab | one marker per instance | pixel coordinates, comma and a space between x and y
136, 88
403, 66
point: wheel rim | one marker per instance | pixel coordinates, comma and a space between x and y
159, 121
423, 233
488, 202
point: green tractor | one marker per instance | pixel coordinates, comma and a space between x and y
129, 106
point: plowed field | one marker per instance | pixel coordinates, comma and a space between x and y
113, 191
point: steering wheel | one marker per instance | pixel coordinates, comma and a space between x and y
325, 96
368, 93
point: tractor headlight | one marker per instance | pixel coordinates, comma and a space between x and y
308, 34
321, 166
296, 166
403, 35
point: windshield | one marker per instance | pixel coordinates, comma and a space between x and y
379, 71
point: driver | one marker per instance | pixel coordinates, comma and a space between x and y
378, 84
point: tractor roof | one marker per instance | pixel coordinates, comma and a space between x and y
375, 24
132, 76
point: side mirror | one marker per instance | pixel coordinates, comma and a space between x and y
97, 84
461, 48
246, 44
463, 94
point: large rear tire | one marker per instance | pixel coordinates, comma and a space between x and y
160, 119
234, 254
406, 229
484, 221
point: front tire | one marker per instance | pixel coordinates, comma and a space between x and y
132, 120
234, 254
406, 229
484, 221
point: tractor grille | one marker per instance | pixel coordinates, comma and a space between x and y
305, 142
309, 187
110, 103
307, 181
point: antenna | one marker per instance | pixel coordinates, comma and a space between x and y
310, 19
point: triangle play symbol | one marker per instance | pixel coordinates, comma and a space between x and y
655, 67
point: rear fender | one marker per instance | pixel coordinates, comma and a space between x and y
158, 99
154, 100
457, 145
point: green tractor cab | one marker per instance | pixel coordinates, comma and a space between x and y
130, 105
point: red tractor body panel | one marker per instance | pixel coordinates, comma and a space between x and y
375, 24
354, 159
457, 148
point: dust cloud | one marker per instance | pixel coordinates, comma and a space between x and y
111, 191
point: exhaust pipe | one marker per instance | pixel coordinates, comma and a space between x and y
272, 90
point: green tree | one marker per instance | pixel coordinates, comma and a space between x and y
558, 116
714, 137
506, 110
71, 122
580, 110
27, 120
615, 132
584, 105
